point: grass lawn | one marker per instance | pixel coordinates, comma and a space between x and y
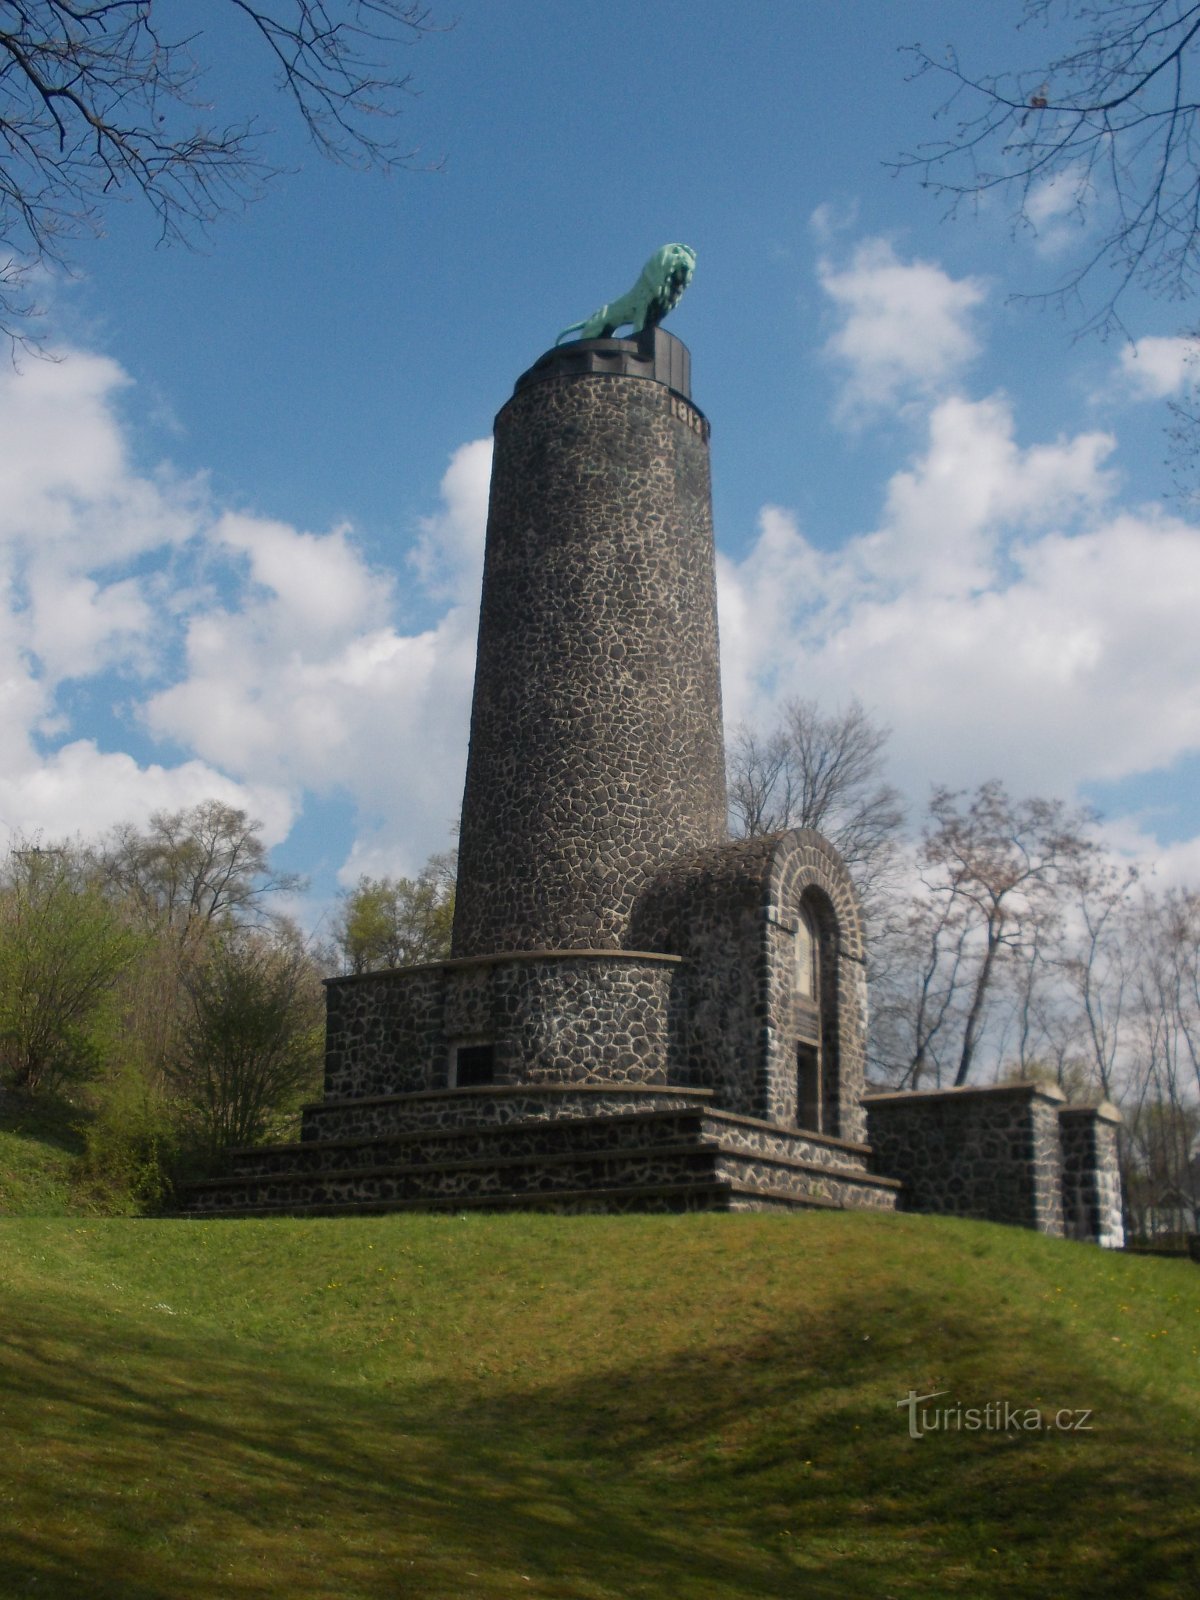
40, 1141
589, 1409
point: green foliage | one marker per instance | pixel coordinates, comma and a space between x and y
397, 922
62, 948
253, 1034
148, 974
132, 1145
589, 1408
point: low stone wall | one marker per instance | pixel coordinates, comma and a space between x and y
553, 1017
385, 1033
990, 1153
1091, 1176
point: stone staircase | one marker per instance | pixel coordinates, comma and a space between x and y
568, 1150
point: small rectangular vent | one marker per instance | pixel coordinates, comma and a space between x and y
474, 1065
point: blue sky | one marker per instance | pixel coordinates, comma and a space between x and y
242, 517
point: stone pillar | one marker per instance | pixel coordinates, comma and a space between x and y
596, 749
1091, 1176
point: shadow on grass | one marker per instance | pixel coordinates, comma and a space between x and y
46, 1118
158, 1465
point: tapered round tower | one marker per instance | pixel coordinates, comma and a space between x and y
596, 751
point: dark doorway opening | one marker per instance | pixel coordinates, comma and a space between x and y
808, 1087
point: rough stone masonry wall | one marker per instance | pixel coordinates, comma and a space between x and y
1091, 1175
385, 1033
598, 1017
806, 871
732, 912
596, 738
708, 907
990, 1153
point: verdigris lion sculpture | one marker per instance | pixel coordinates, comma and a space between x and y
658, 290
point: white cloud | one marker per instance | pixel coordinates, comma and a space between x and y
448, 555
269, 655
303, 681
82, 790
72, 510
1057, 209
1003, 619
1155, 367
1003, 614
905, 327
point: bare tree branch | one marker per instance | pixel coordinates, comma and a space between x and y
822, 771
1112, 123
98, 101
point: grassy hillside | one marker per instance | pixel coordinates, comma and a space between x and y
588, 1409
40, 1140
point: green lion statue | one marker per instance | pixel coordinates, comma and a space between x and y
659, 290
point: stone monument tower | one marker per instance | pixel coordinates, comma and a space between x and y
637, 1011
597, 751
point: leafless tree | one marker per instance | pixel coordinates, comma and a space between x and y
1004, 861
1106, 127
993, 874
1096, 960
1160, 1091
823, 771
102, 100
194, 869
916, 1006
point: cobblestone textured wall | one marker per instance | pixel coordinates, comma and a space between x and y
807, 871
385, 1032
578, 1018
990, 1153
596, 738
732, 911
1091, 1176
448, 1109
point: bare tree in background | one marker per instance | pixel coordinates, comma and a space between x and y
195, 869
967, 958
822, 771
916, 992
1161, 1088
1098, 960
1105, 129
103, 100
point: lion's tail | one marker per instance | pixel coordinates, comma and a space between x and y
574, 328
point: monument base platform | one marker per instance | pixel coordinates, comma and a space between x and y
567, 1149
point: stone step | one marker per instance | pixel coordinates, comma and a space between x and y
378, 1115
752, 1137
651, 1167
541, 1136
684, 1160
802, 1180
490, 1142
711, 1195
